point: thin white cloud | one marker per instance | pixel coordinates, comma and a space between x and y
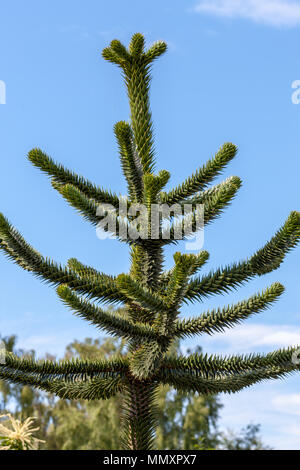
288, 403
34, 342
277, 13
77, 30
45, 344
264, 404
248, 338
294, 431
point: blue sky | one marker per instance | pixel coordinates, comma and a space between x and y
227, 76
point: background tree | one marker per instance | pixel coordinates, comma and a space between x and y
248, 439
6, 387
152, 296
23, 401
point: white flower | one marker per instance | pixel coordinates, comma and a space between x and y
18, 435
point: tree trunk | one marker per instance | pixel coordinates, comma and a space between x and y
139, 415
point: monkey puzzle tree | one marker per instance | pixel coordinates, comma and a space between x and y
152, 297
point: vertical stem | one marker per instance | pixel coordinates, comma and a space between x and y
137, 81
139, 412
139, 416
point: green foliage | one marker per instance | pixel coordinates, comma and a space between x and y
151, 297
184, 420
218, 320
62, 176
203, 176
